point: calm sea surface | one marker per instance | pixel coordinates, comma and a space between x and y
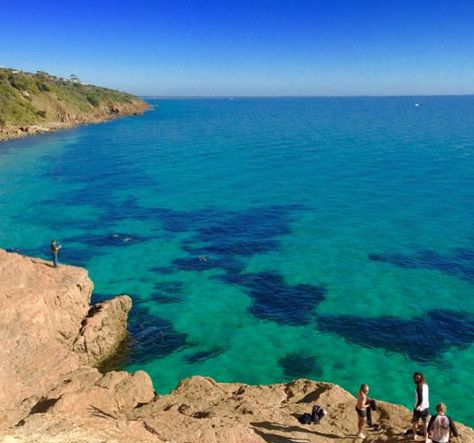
264, 240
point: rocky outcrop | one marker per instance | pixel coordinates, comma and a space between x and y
63, 120
104, 328
202, 410
50, 337
50, 393
40, 308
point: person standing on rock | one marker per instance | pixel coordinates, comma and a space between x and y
422, 404
361, 408
54, 252
441, 427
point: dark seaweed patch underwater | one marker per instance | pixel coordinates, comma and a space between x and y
227, 238
458, 263
423, 339
300, 366
273, 299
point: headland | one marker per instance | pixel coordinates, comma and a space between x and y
40, 103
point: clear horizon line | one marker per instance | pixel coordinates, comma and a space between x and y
304, 96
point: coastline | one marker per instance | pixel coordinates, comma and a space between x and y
52, 390
135, 107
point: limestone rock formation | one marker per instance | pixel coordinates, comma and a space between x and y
103, 329
50, 393
49, 337
40, 308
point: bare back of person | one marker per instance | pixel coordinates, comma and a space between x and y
362, 402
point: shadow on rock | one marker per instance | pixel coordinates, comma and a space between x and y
261, 427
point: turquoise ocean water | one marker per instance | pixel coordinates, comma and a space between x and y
264, 240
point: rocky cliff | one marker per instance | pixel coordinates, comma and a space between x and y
38, 103
50, 391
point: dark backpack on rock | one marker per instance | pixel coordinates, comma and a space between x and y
317, 414
305, 419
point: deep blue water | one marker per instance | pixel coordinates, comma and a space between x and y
267, 239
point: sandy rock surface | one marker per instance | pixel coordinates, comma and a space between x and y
40, 308
49, 392
103, 329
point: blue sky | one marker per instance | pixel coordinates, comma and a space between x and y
267, 47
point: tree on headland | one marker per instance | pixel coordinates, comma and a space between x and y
74, 78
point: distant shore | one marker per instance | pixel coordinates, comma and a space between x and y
11, 132
38, 103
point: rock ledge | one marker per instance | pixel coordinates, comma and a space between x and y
51, 337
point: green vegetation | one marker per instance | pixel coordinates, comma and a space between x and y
27, 98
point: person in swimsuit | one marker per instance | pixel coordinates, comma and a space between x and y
361, 409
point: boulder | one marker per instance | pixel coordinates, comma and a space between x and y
51, 337
103, 329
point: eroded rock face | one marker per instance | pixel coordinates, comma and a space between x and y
103, 330
40, 307
50, 393
60, 118
50, 337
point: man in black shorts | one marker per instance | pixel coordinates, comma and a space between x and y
422, 404
361, 409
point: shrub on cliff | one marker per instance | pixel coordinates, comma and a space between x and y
27, 98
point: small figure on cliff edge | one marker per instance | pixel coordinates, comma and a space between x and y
54, 252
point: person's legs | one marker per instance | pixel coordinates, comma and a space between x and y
425, 425
55, 260
360, 424
415, 420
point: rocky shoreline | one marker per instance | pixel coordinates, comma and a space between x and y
50, 390
100, 115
